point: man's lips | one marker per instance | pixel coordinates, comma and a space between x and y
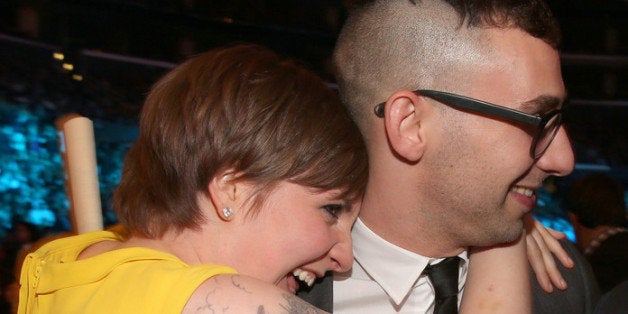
523, 190
525, 196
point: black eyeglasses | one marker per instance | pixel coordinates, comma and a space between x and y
546, 125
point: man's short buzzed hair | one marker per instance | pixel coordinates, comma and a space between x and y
387, 45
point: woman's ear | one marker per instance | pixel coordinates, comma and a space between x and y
223, 192
403, 114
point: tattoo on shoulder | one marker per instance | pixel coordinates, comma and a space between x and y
234, 281
208, 307
292, 304
298, 306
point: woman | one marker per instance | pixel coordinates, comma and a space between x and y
243, 159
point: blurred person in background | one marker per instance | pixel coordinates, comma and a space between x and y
597, 210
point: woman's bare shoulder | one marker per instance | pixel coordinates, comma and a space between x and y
243, 294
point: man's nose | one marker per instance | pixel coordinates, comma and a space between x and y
558, 159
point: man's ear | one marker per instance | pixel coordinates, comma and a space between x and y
403, 114
223, 192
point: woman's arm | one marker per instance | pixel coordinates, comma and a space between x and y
543, 244
243, 294
498, 280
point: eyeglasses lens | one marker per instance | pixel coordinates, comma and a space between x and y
547, 135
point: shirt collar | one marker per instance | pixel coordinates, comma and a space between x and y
395, 269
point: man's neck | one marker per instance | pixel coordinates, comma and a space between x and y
390, 209
413, 236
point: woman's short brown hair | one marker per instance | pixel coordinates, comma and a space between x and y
241, 107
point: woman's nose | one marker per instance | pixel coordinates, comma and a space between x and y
341, 253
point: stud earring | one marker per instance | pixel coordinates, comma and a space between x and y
227, 212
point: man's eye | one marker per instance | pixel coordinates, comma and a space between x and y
333, 209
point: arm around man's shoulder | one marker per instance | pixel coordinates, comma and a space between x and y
244, 294
582, 291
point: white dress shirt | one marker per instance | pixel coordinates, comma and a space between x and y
386, 278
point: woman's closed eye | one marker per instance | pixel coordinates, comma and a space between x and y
334, 209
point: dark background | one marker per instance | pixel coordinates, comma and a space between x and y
595, 46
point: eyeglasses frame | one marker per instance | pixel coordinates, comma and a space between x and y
482, 107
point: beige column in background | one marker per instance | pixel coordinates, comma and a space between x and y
77, 146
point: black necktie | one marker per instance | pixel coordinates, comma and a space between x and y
444, 278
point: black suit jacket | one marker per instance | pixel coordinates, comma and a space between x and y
610, 262
581, 296
614, 301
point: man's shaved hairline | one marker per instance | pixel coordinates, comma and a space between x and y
427, 43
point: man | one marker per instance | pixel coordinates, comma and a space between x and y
447, 172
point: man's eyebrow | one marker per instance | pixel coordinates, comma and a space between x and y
542, 104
